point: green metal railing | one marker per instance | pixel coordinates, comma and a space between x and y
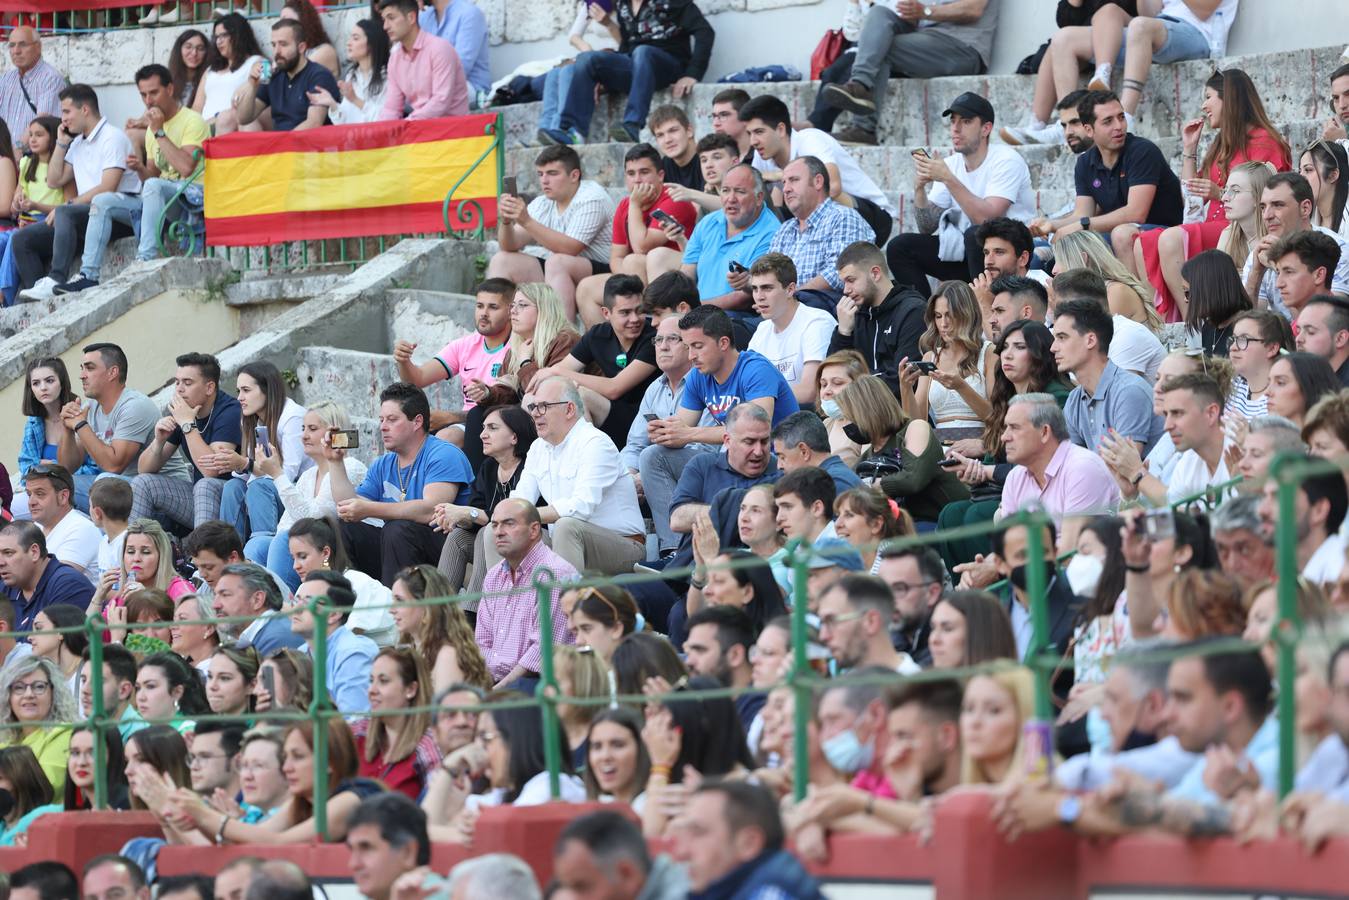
1041, 659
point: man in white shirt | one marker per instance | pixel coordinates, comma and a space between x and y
110, 501
575, 468
1321, 503
91, 154
1286, 206
1193, 408
1134, 347
1304, 265
71, 537
562, 236
776, 143
793, 337
955, 195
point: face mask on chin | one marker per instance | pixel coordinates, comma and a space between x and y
855, 434
846, 753
830, 408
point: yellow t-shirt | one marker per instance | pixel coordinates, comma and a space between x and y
37, 190
186, 129
51, 746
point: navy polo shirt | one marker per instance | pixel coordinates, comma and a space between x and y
289, 100
1139, 163
59, 583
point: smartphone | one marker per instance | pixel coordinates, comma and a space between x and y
924, 366
510, 186
736, 268
344, 439
949, 463
1159, 524
665, 218
263, 439
266, 70
268, 676
651, 417
919, 151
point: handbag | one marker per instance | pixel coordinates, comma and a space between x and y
874, 468
827, 52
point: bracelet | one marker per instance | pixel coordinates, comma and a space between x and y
1139, 570
220, 832
663, 771
699, 585
1137, 478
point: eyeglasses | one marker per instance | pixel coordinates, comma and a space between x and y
517, 306
541, 407
1242, 341
194, 758
667, 339
1328, 153
1234, 191
586, 593
832, 622
36, 688
755, 654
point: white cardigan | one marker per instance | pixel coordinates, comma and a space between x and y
302, 501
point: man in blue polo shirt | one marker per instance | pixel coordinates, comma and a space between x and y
737, 234
1123, 181
34, 579
401, 488
349, 655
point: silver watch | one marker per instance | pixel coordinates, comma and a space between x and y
927, 12
473, 514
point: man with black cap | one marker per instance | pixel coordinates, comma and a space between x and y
954, 196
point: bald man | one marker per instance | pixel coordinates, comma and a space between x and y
29, 89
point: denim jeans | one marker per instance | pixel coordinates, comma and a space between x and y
156, 194
643, 73
279, 561
105, 211
556, 83
253, 508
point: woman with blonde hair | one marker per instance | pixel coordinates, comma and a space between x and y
439, 632
837, 371
308, 496
583, 675
541, 336
956, 391
1241, 206
993, 745
901, 454
33, 690
1127, 294
147, 561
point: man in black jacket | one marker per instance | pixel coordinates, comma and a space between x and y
663, 42
876, 317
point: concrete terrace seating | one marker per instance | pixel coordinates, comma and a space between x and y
1292, 85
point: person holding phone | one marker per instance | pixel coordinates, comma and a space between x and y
272, 424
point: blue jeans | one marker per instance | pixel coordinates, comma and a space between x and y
1183, 41
84, 482
9, 271
643, 73
156, 195
556, 84
253, 508
272, 551
105, 210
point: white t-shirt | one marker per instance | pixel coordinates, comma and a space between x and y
814, 142
1214, 29
218, 87
534, 793
1190, 475
75, 541
1269, 288
1003, 173
804, 340
106, 147
109, 552
1326, 563
1136, 349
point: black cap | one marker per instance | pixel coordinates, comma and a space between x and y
971, 105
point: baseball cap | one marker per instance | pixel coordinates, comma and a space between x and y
835, 552
970, 105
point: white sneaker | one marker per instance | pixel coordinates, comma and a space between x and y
170, 17
45, 289
1018, 135
150, 18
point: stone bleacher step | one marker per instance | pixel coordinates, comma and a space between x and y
1291, 85
285, 288
354, 379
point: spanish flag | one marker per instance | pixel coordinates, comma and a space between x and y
349, 180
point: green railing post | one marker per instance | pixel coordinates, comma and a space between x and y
465, 213
1036, 587
94, 626
546, 693
318, 608
1287, 474
798, 557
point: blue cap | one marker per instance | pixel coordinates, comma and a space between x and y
835, 552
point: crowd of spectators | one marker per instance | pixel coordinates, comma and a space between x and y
744, 363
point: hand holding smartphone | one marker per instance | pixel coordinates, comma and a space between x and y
264, 440
509, 185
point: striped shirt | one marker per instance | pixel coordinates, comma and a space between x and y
1242, 404
586, 219
43, 82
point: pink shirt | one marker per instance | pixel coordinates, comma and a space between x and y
508, 617
1077, 482
430, 79
469, 358
876, 784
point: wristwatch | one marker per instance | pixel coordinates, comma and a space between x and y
1070, 810
188, 428
473, 515
1085, 222
927, 12
160, 133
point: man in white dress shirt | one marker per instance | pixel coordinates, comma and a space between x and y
576, 470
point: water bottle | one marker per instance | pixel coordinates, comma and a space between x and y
133, 576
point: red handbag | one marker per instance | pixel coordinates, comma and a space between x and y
826, 52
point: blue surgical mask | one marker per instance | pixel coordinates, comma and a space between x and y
846, 753
830, 408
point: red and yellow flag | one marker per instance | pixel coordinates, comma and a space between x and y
347, 180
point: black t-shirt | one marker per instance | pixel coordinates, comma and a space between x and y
601, 347
223, 423
690, 175
1139, 163
289, 100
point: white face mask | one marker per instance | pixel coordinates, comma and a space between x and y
1084, 573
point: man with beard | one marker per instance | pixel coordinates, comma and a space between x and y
717, 646
855, 625
916, 577
1007, 246
725, 243
876, 317
288, 92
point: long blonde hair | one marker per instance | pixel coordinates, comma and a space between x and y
1238, 245
552, 321
1081, 250
164, 571
1017, 682
963, 307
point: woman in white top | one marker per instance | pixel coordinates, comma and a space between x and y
232, 58
271, 427
1258, 337
367, 70
617, 762
309, 496
959, 367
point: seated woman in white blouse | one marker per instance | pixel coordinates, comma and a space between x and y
367, 72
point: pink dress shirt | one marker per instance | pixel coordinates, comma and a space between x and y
1077, 483
508, 617
430, 79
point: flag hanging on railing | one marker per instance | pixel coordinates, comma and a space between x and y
349, 180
